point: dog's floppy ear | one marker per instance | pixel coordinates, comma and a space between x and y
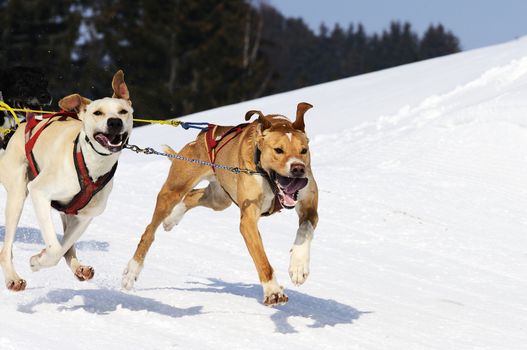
120, 90
252, 112
264, 122
300, 111
73, 103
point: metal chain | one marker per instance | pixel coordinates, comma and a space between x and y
235, 170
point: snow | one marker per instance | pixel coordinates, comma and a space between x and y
422, 171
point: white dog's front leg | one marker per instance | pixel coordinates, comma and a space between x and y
50, 255
74, 227
300, 253
15, 202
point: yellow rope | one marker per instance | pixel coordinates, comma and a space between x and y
5, 107
5, 131
173, 122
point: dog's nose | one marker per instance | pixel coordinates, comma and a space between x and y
114, 125
298, 170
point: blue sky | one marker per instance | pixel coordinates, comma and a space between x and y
476, 23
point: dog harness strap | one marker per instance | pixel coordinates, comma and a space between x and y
89, 188
31, 123
213, 142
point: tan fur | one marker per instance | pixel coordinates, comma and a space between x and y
251, 193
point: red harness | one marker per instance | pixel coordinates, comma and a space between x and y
89, 188
213, 150
213, 142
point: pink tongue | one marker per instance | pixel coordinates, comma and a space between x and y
102, 138
296, 185
288, 201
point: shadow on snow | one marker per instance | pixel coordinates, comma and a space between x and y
33, 236
104, 301
324, 312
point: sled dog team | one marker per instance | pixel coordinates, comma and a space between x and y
67, 161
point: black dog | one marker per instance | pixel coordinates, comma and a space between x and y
21, 87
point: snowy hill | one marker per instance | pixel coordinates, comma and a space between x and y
421, 244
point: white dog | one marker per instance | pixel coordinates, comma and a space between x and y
71, 167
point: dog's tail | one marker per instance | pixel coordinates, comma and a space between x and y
169, 150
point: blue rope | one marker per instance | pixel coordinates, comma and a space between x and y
195, 125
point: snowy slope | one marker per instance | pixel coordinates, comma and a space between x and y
421, 244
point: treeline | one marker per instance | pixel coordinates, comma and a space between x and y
183, 56
301, 58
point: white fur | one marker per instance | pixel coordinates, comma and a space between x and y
130, 274
268, 195
300, 254
175, 216
289, 135
272, 287
290, 161
280, 117
57, 181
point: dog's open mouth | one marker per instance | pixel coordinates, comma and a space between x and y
113, 143
288, 188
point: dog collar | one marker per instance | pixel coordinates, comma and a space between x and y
276, 206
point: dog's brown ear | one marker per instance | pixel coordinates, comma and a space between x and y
120, 90
73, 103
249, 114
300, 111
264, 122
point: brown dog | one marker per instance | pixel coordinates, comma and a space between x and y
272, 145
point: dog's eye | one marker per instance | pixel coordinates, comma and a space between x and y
97, 113
279, 150
303, 151
123, 111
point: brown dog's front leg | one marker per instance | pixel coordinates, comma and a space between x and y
273, 292
307, 222
166, 200
135, 265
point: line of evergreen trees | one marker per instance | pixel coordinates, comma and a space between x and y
183, 56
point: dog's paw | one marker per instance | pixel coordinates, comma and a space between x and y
274, 293
175, 216
16, 285
34, 261
43, 259
84, 273
130, 274
299, 273
298, 266
278, 298
168, 225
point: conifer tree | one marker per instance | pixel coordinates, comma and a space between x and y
438, 42
39, 33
